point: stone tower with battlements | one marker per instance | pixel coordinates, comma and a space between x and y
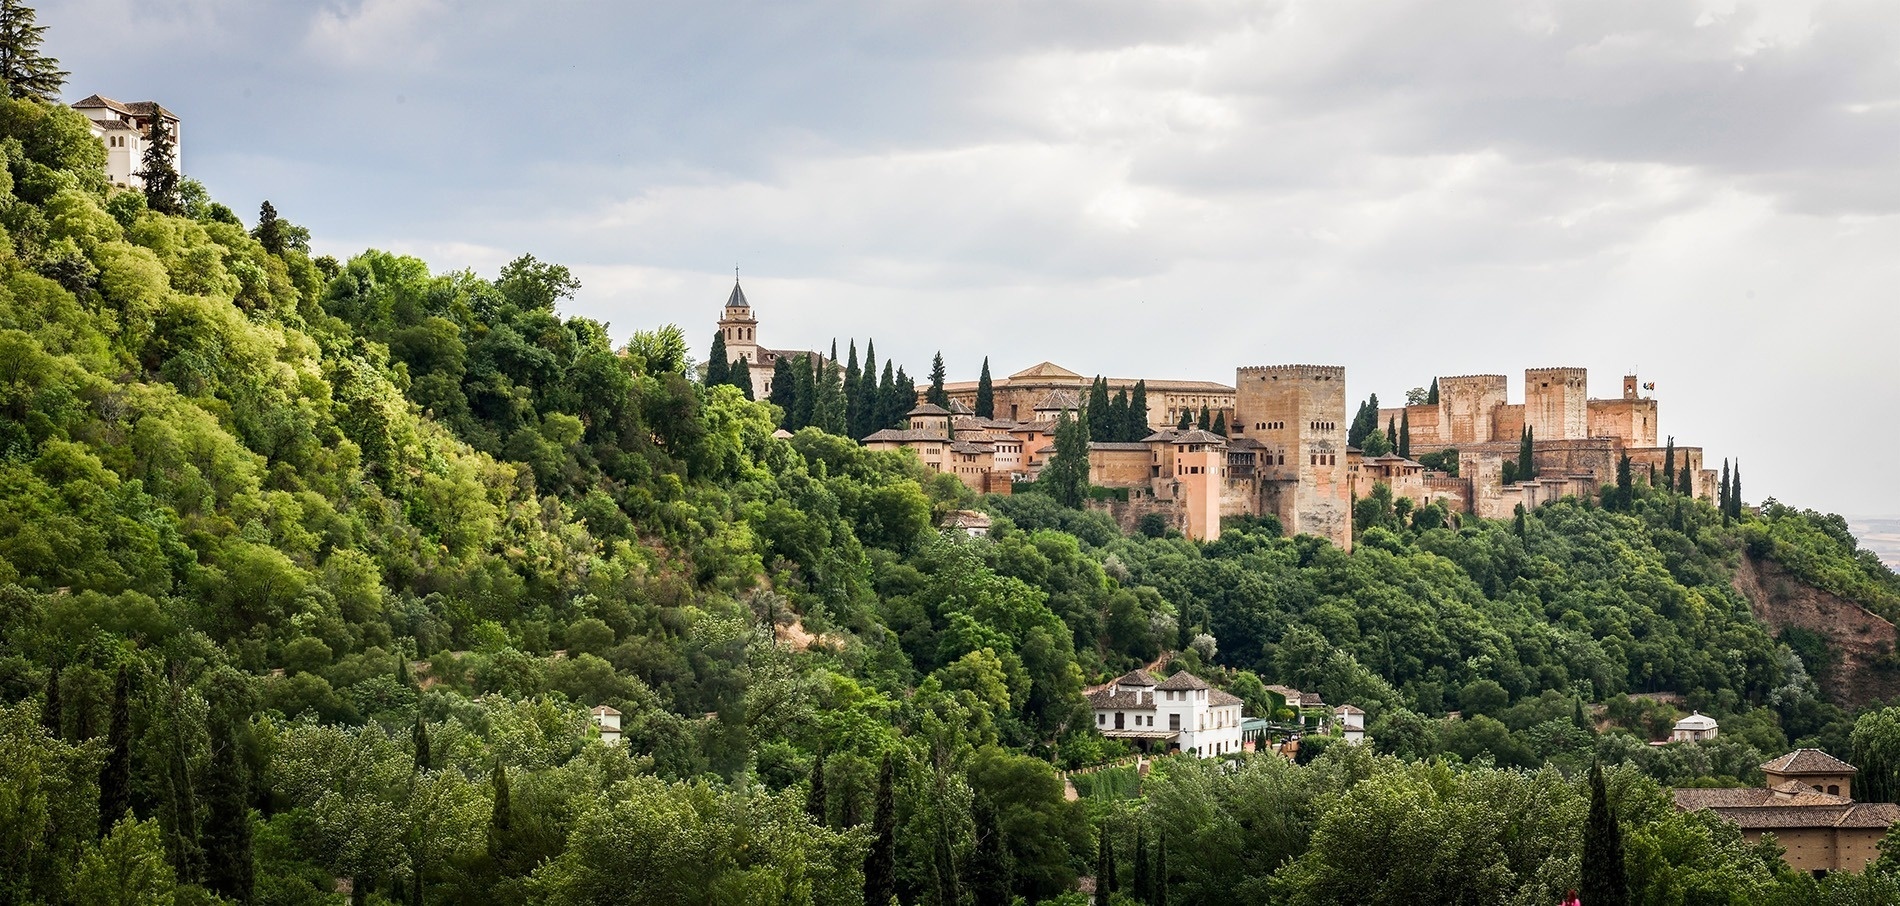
1297, 416
1556, 403
1467, 405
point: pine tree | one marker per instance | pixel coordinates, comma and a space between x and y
1138, 413
1405, 434
115, 778
1098, 411
935, 394
1144, 879
785, 392
990, 863
815, 800
229, 865
852, 374
159, 168
1207, 421
1669, 462
51, 715
270, 230
419, 738
28, 73
501, 818
1526, 455
1431, 399
1220, 424
718, 368
1187, 420
985, 393
880, 864
1604, 880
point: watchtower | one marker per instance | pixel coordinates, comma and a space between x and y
1557, 403
1467, 408
1297, 413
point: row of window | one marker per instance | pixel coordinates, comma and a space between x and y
1324, 459
1324, 426
115, 141
739, 333
1269, 426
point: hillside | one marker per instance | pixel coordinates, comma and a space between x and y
311, 570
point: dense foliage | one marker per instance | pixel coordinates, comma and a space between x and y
311, 570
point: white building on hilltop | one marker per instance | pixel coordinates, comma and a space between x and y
1181, 713
126, 129
1694, 728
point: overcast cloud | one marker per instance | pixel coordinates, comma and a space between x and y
1704, 191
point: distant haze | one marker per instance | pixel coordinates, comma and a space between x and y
1880, 534
1702, 191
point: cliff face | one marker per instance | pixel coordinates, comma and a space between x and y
1863, 641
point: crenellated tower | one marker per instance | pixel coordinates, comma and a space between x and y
1557, 403
1297, 415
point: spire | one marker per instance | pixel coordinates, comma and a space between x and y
737, 299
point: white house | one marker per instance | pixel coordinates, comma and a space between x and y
608, 720
1181, 713
1352, 723
1694, 728
126, 128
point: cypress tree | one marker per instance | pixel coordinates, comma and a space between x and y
1144, 879
1526, 458
1735, 491
1220, 424
1405, 434
229, 865
1669, 463
51, 715
718, 367
880, 864
785, 391
1604, 880
1683, 483
830, 408
1187, 420
886, 397
903, 397
935, 394
1138, 412
1118, 417
805, 390
1068, 470
1721, 497
869, 403
419, 737
27, 72
1518, 521
1207, 421
851, 377
815, 794
180, 816
741, 372
1098, 408
159, 168
501, 817
1431, 399
1625, 485
1392, 431
1161, 873
1104, 867
985, 392
990, 863
115, 778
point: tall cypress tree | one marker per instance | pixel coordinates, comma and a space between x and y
815, 798
985, 393
869, 405
1405, 434
51, 715
1118, 417
1187, 420
990, 863
1684, 484
828, 409
903, 397
1735, 492
741, 373
1526, 454
1207, 422
804, 390
1144, 878
785, 392
1220, 424
419, 740
880, 864
1104, 867
1625, 484
1098, 411
27, 72
1392, 431
1161, 873
1138, 412
1669, 463
229, 865
1721, 495
1605, 882
852, 375
935, 394
1431, 399
115, 778
886, 399
718, 367
1067, 473
501, 819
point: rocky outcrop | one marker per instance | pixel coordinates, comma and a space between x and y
1863, 641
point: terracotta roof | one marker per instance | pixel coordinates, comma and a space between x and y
1859, 814
1197, 436
1182, 680
114, 125
1059, 399
1110, 697
1347, 709
928, 409
1163, 435
100, 100
1809, 761
737, 299
604, 711
1136, 677
973, 447
1044, 370
1311, 700
957, 407
1113, 446
1222, 697
912, 435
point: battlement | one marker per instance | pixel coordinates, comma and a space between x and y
1320, 372
1472, 377
1564, 370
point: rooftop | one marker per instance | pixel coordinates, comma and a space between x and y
928, 409
737, 299
1808, 761
1180, 681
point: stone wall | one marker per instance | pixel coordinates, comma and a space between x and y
1466, 406
1556, 403
1632, 422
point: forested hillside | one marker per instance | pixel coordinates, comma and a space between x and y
310, 571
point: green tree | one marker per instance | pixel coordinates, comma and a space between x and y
1206, 422
1405, 434
1096, 411
159, 168
1876, 743
740, 374
1138, 412
1526, 458
718, 367
115, 778
1161, 874
1735, 492
828, 409
880, 864
815, 800
1220, 424
785, 392
990, 861
1431, 398
1118, 417
1067, 473
935, 394
985, 392
127, 868
1684, 484
1669, 463
269, 231
1625, 484
869, 402
1604, 880
28, 73
1144, 878
1104, 867
1722, 494
1187, 420
853, 376
51, 715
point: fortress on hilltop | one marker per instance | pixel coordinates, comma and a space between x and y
1285, 453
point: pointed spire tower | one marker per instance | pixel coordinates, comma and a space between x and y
741, 332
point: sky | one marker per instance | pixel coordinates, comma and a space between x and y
1707, 193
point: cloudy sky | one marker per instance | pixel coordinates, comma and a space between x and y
1705, 192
